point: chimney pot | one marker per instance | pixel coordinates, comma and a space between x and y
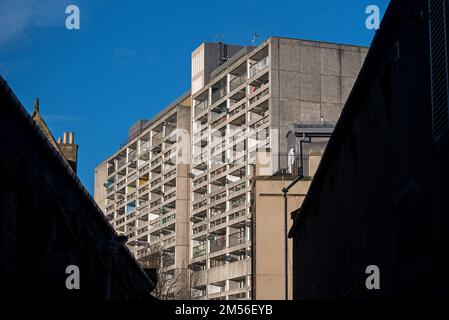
64, 137
71, 137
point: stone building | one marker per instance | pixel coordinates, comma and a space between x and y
66, 146
48, 222
379, 196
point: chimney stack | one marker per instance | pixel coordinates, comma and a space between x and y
69, 149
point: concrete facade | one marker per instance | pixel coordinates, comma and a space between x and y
144, 190
243, 100
243, 112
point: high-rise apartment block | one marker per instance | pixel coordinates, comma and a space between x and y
144, 191
241, 102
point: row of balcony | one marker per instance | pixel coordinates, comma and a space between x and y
216, 94
219, 243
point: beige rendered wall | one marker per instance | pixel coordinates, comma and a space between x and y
268, 217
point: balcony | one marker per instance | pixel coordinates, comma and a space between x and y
170, 174
218, 197
237, 81
155, 182
144, 188
169, 242
257, 67
121, 163
258, 97
237, 110
200, 135
217, 222
132, 177
237, 214
110, 190
170, 196
131, 196
219, 171
168, 220
200, 107
168, 260
217, 94
199, 250
215, 211
156, 161
199, 205
237, 202
200, 180
157, 139
121, 183
199, 229
218, 244
219, 121
237, 238
155, 204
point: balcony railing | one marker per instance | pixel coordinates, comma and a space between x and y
199, 250
132, 177
199, 229
168, 260
157, 138
259, 96
218, 171
237, 238
170, 174
144, 147
168, 219
237, 81
236, 110
258, 66
218, 94
237, 202
238, 214
155, 182
200, 180
169, 241
216, 211
170, 196
155, 203
200, 204
237, 188
121, 163
144, 168
156, 162
220, 119
218, 244
144, 188
218, 197
200, 107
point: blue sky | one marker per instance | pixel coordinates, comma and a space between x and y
132, 58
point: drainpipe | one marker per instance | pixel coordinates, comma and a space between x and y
285, 192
